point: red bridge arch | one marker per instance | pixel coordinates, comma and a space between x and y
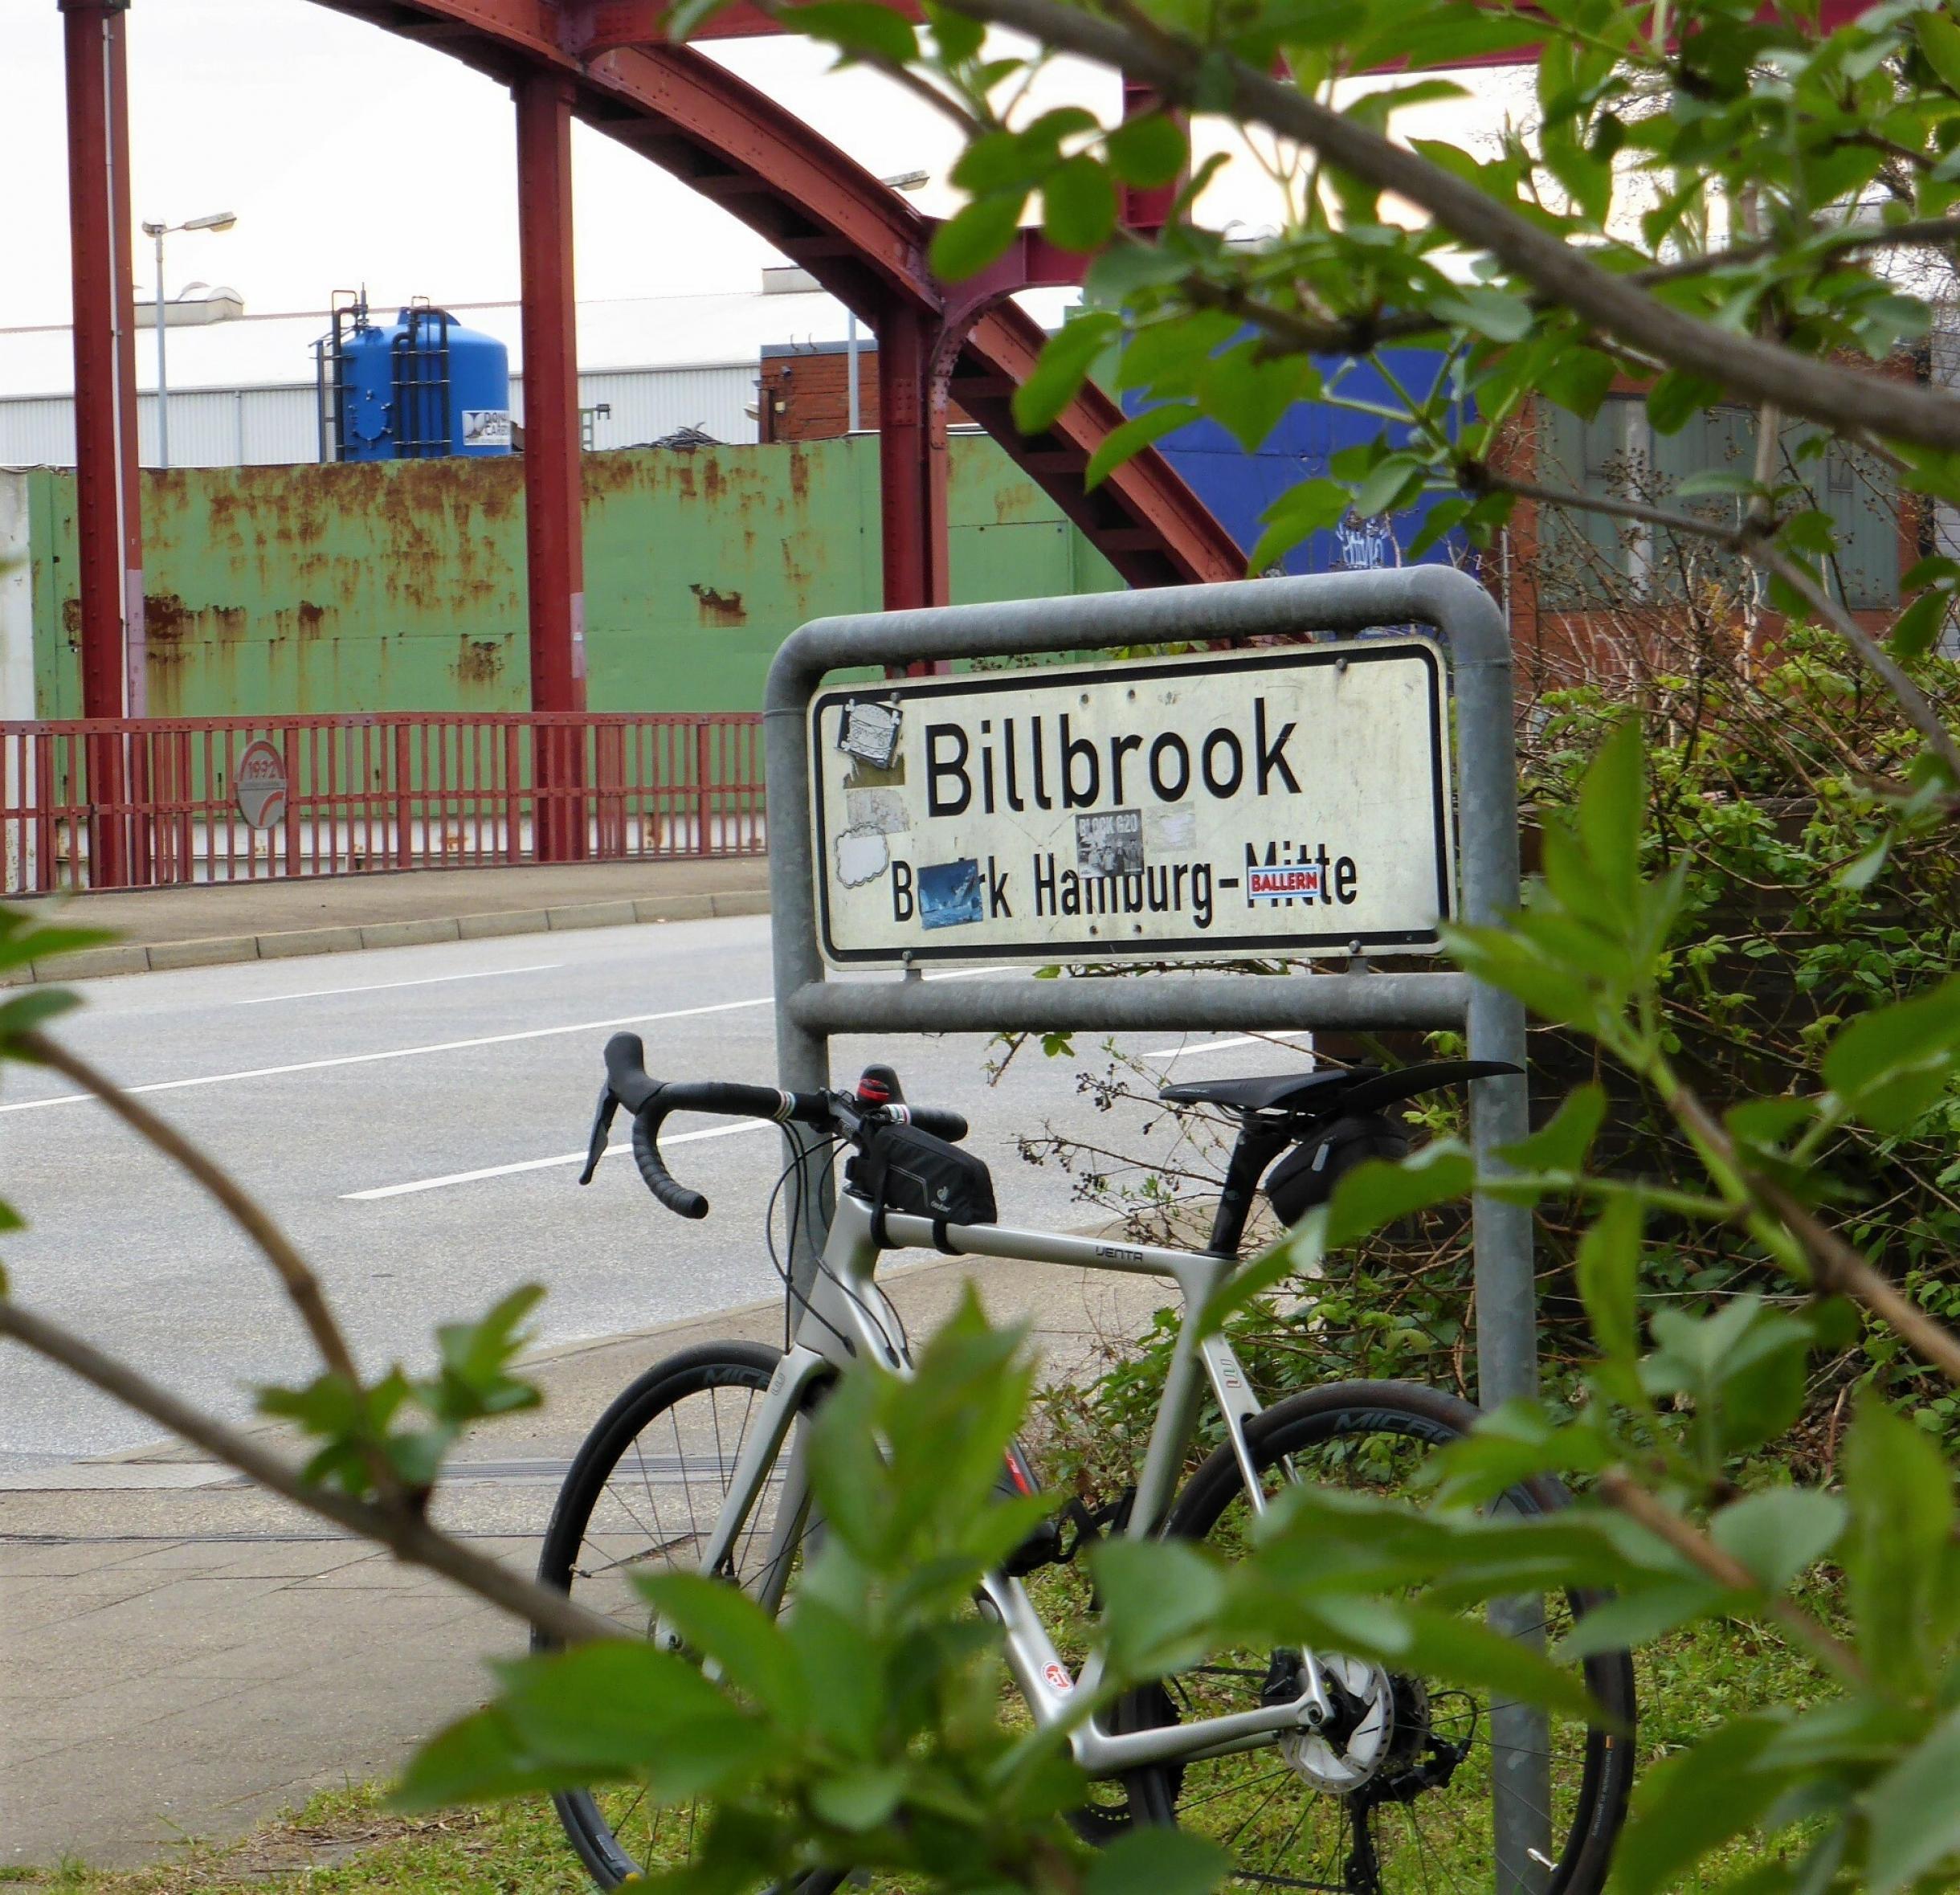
606, 63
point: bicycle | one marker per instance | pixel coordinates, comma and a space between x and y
1317, 1770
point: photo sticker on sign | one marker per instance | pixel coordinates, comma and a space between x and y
1290, 800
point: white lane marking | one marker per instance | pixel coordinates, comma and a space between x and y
400, 1053
570, 1158
1219, 1046
440, 1046
430, 980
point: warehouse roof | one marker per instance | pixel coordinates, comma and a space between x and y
725, 329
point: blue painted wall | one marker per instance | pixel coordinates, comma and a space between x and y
1239, 487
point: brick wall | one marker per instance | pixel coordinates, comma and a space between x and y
807, 397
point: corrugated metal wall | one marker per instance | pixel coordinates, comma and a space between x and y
399, 585
279, 426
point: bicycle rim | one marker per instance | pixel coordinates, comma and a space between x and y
1405, 1800
642, 1497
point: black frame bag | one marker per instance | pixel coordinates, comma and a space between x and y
905, 1169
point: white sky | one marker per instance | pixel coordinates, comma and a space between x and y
351, 156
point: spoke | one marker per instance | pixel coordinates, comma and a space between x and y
634, 1558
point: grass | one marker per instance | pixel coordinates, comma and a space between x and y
347, 1842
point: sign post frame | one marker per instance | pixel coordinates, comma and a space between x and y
810, 1009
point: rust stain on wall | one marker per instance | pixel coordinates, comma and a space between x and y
480, 662
719, 608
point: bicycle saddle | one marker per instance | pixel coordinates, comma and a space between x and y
1366, 1088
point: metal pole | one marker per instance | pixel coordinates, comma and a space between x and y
163, 374
852, 419
1507, 1336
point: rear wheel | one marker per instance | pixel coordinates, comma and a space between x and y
642, 1496
1398, 1794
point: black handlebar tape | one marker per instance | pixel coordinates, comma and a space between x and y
734, 1100
677, 1197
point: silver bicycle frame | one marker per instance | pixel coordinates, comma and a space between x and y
848, 1318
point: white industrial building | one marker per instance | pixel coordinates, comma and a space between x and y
244, 392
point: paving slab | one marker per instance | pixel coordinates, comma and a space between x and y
180, 1662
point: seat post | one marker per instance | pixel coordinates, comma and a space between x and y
1256, 1147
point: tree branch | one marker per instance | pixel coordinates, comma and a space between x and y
302, 1287
406, 1533
1620, 1490
1751, 370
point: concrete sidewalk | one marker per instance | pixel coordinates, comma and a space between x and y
212, 923
182, 1656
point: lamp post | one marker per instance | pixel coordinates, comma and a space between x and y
217, 220
902, 181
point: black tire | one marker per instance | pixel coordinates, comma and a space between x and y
1379, 1836
720, 1386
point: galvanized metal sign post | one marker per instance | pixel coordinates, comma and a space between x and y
896, 837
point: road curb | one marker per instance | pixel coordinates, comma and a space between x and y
219, 949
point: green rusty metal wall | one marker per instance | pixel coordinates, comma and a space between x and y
401, 586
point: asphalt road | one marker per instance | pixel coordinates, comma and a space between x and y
412, 1116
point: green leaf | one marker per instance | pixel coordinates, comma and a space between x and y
1563, 1144
860, 1799
1495, 314
1310, 507
1159, 1597
1612, 812
1249, 393
976, 235
1693, 1803
1917, 629
1608, 1271
1897, 1558
619, 1707
1939, 39
1140, 432
723, 1624
1780, 1533
1154, 1861
1376, 1192
1148, 152
1078, 203
1889, 1065
1914, 1813
959, 37
479, 1758
1064, 367
1394, 482
1677, 397
858, 27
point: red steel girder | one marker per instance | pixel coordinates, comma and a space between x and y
554, 533
858, 238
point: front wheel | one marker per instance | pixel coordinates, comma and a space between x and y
1402, 1793
642, 1496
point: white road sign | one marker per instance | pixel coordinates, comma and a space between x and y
1292, 801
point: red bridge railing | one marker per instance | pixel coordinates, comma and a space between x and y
142, 803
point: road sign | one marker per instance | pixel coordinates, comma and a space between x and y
1290, 801
259, 786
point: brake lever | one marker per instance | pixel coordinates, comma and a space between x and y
601, 1133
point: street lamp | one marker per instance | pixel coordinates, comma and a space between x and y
217, 220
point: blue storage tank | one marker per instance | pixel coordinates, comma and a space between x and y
1237, 486
417, 388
